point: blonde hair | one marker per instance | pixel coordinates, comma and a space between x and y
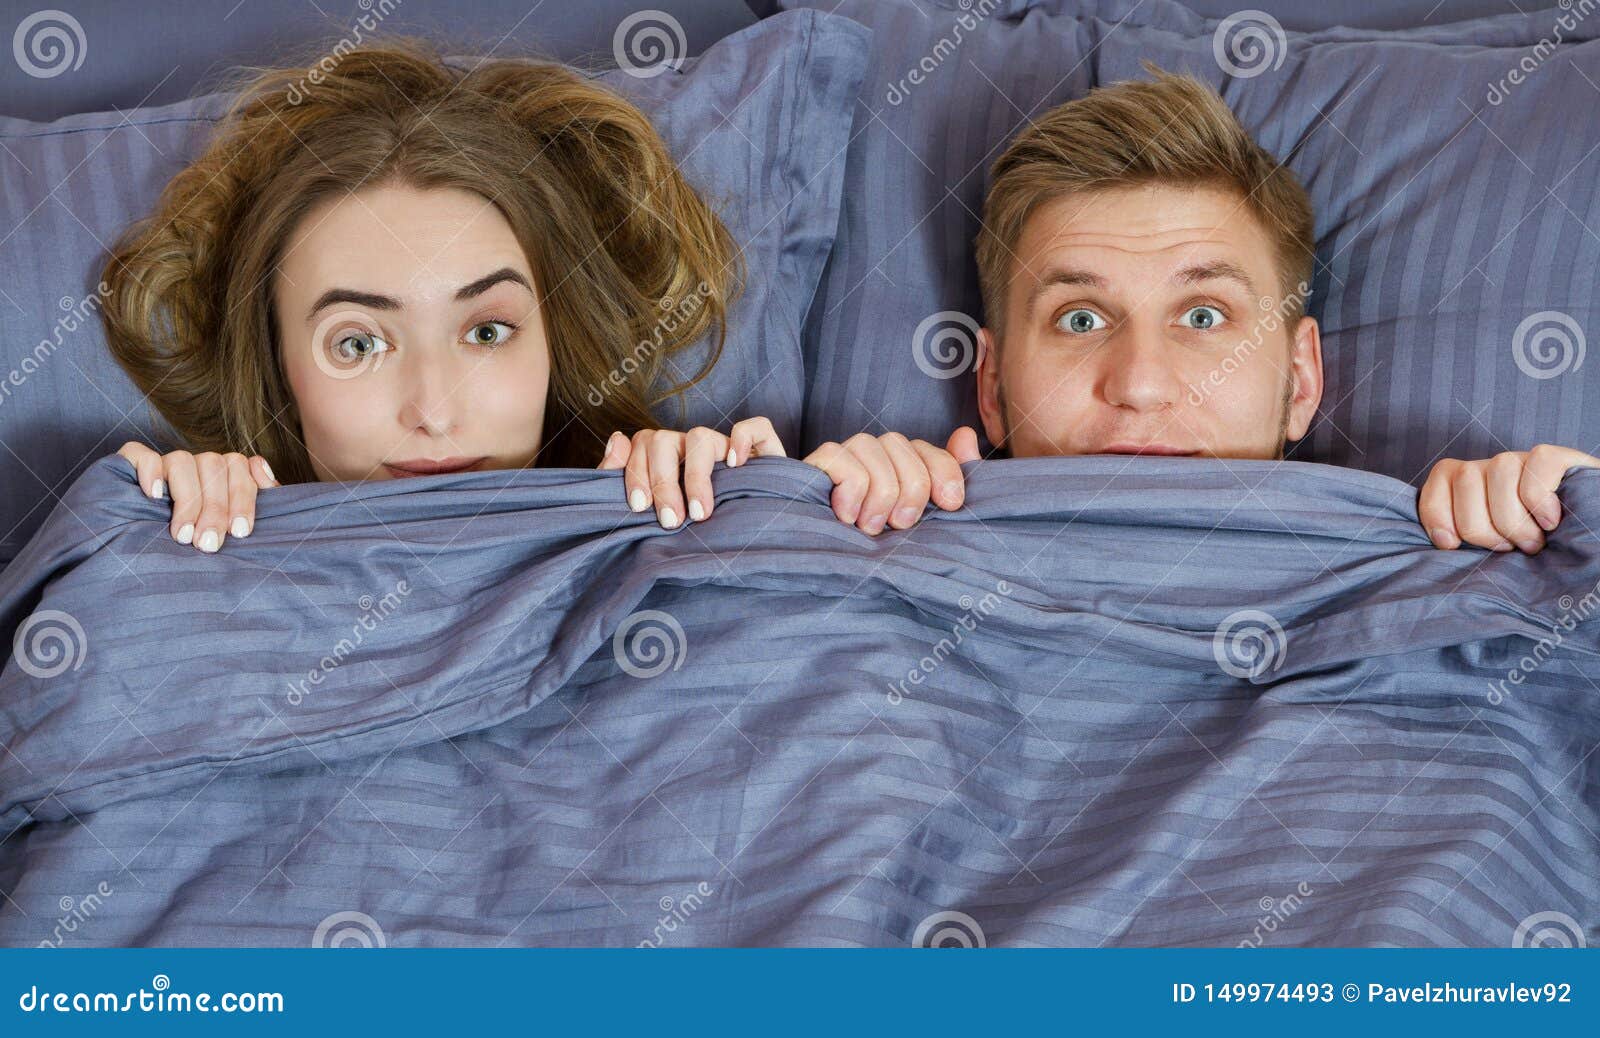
1172, 130
614, 234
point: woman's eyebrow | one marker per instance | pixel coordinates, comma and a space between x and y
376, 301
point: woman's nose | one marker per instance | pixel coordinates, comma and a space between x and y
430, 395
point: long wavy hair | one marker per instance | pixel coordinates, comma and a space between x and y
616, 237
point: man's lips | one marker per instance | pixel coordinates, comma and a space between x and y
427, 467
1160, 449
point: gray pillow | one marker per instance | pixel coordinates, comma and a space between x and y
1443, 261
758, 121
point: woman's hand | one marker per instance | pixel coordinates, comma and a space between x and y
214, 494
651, 460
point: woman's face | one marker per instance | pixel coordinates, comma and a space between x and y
411, 335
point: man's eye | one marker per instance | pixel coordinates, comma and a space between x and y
357, 346
1080, 321
475, 338
1203, 317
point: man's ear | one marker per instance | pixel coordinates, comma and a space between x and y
994, 426
1305, 364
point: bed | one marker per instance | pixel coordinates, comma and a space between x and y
1109, 702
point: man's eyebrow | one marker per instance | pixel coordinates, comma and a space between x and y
376, 301
1063, 276
1223, 269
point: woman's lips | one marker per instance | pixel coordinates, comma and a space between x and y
425, 467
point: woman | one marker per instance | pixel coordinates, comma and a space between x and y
404, 270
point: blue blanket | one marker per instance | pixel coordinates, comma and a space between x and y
1111, 701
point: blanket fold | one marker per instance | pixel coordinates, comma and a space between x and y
1077, 614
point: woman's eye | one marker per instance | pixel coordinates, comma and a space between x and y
357, 346
1080, 321
1203, 317
476, 336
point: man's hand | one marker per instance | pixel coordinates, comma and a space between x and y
888, 479
1507, 500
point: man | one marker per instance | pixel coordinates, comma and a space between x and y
1144, 265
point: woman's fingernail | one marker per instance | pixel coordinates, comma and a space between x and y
1546, 519
669, 518
697, 511
240, 528
186, 534
733, 457
268, 470
905, 516
208, 541
1441, 537
637, 500
1503, 546
158, 489
874, 523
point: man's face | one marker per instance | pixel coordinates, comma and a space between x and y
1147, 320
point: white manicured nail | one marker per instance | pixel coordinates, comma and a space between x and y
186, 534
208, 541
637, 501
669, 518
733, 457
268, 470
697, 511
240, 527
158, 489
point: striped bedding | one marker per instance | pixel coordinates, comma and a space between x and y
1112, 702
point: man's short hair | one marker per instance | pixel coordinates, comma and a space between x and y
1173, 130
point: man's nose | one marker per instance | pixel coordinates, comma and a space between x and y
1139, 372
